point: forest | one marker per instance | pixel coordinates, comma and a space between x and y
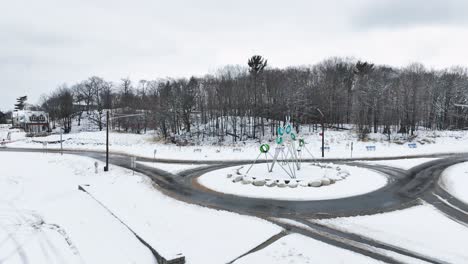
250, 101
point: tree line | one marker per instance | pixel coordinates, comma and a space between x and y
251, 101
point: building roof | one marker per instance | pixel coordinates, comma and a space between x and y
27, 116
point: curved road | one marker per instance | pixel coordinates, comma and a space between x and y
405, 188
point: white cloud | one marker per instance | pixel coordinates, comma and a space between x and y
46, 43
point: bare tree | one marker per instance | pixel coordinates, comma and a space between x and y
251, 101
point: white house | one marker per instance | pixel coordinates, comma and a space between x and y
31, 121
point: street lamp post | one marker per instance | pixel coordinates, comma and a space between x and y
323, 132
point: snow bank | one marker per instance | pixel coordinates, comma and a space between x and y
45, 219
15, 134
47, 188
339, 142
297, 248
405, 164
173, 168
172, 226
455, 181
422, 229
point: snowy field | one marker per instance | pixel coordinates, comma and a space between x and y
455, 181
46, 219
405, 164
420, 229
339, 143
173, 168
358, 182
298, 249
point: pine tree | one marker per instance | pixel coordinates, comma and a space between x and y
20, 102
256, 66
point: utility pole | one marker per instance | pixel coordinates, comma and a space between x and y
323, 132
323, 139
106, 168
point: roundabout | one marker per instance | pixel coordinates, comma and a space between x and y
284, 173
315, 181
385, 197
402, 188
286, 181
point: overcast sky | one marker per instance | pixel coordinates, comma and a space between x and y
49, 42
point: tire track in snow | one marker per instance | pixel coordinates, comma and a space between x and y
338, 241
368, 241
263, 245
26, 219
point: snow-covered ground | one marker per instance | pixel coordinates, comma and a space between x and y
299, 249
405, 164
283, 170
421, 229
173, 168
339, 142
15, 134
359, 181
454, 179
44, 218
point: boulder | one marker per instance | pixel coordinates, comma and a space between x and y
292, 184
246, 180
258, 182
315, 183
325, 181
304, 183
270, 183
237, 178
343, 174
281, 184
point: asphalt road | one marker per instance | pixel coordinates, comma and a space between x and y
405, 188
